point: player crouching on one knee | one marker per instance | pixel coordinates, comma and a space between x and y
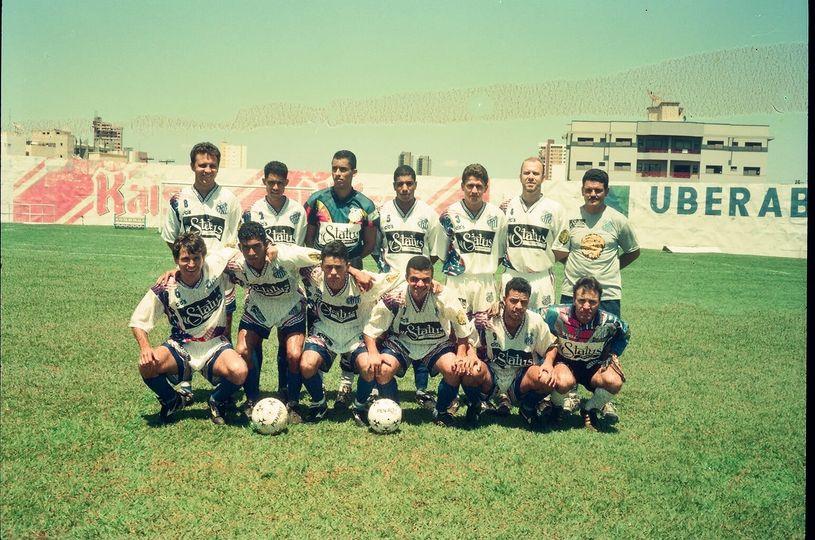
420, 322
590, 342
516, 357
194, 305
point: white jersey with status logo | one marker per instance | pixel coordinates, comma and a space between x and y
405, 235
338, 318
285, 227
416, 330
531, 232
507, 352
273, 292
475, 243
216, 216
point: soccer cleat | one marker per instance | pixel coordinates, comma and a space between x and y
609, 412
532, 417
426, 400
504, 406
293, 408
216, 412
444, 419
169, 408
317, 411
247, 407
360, 416
473, 414
571, 402
283, 394
453, 408
590, 421
344, 397
185, 391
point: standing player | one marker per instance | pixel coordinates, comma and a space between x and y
342, 213
271, 274
590, 342
195, 308
211, 210
599, 242
411, 324
517, 356
285, 224
338, 310
533, 223
476, 232
409, 227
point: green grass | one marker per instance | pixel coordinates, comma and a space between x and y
710, 442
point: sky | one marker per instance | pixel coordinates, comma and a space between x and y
207, 60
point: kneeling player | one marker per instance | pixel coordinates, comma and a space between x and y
517, 356
194, 305
590, 341
339, 306
273, 300
410, 325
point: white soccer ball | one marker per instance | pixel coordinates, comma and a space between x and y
384, 416
269, 416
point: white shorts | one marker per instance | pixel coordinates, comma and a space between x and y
476, 291
543, 288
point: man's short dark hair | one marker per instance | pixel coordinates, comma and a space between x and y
404, 170
206, 148
276, 168
596, 175
347, 154
588, 283
420, 263
518, 284
335, 249
192, 242
477, 170
252, 230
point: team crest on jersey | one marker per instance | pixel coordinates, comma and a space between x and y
352, 300
493, 222
294, 218
279, 272
528, 340
423, 224
209, 284
547, 218
563, 237
490, 297
222, 208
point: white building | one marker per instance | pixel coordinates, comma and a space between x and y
12, 144
668, 148
233, 156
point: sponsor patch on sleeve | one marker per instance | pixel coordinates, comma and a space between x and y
563, 237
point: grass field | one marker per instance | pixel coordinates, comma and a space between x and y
710, 443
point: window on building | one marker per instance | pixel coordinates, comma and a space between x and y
713, 169
601, 164
752, 171
585, 139
623, 140
735, 143
715, 143
734, 168
602, 139
583, 165
622, 166
750, 144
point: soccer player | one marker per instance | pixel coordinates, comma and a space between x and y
195, 308
412, 324
409, 227
476, 232
285, 224
516, 356
533, 224
211, 210
342, 213
271, 274
338, 310
590, 342
599, 242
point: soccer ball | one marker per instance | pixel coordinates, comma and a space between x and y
269, 416
384, 416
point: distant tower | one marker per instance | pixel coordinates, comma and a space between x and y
423, 166
106, 137
406, 158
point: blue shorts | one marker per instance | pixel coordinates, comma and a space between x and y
582, 371
383, 349
183, 362
298, 327
317, 344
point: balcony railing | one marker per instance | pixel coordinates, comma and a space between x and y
686, 151
676, 174
653, 174
652, 149
734, 148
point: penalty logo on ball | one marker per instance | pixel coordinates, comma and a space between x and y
384, 416
269, 416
